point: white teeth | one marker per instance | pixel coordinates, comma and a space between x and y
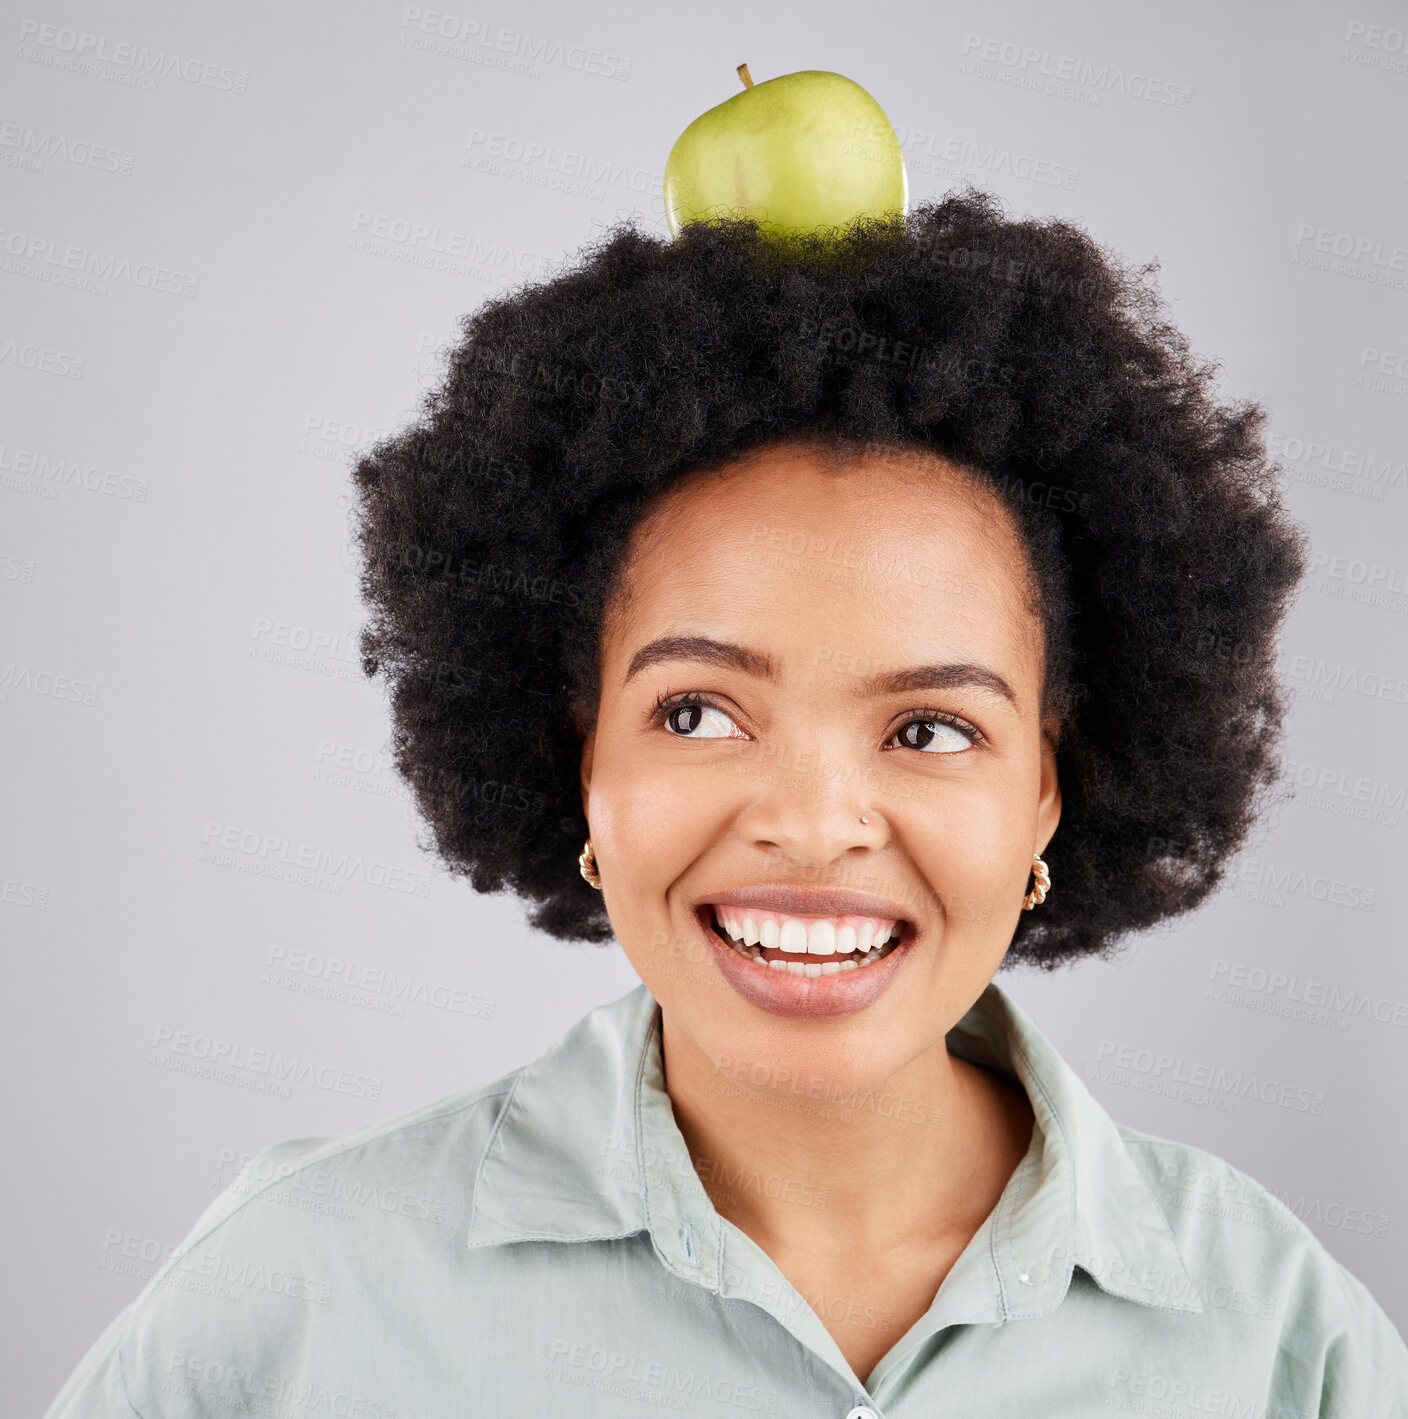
808, 968
821, 938
813, 937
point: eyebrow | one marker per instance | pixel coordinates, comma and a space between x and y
728, 656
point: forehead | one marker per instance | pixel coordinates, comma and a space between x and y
817, 559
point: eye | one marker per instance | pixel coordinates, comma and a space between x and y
691, 716
938, 732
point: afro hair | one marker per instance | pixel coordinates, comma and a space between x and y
493, 528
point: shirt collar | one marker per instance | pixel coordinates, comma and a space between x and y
586, 1148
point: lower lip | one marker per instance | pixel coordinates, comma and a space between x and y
784, 993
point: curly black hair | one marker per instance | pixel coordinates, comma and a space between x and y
493, 527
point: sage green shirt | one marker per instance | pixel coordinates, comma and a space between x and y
543, 1248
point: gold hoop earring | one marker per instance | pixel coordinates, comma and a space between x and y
586, 860
1037, 895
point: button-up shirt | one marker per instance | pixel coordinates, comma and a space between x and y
544, 1246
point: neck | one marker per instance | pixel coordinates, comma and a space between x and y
917, 1159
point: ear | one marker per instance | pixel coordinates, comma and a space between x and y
1048, 811
588, 746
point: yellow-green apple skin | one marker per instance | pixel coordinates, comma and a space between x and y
800, 152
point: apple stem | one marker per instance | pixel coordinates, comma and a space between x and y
745, 76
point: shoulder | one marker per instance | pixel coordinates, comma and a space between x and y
418, 1167
1248, 1252
294, 1245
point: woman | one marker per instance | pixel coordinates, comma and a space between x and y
864, 616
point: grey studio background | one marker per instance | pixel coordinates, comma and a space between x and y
233, 244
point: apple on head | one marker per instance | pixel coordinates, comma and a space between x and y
802, 152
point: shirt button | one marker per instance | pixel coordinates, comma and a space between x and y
862, 1411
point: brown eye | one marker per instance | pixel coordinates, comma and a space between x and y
699, 721
933, 736
685, 720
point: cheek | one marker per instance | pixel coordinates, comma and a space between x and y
967, 841
650, 828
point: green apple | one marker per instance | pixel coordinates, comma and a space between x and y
800, 152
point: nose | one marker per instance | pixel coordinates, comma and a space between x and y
812, 814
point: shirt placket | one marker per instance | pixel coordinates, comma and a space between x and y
1022, 1248
695, 1243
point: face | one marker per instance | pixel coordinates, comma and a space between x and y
819, 731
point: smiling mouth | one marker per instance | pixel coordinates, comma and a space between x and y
804, 945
